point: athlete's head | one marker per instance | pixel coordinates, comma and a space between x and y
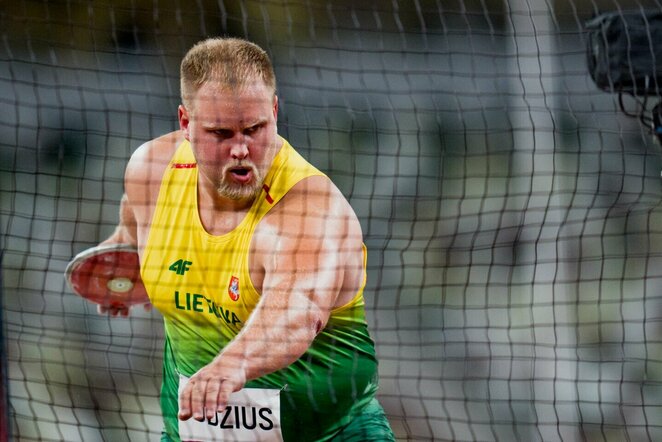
228, 113
232, 62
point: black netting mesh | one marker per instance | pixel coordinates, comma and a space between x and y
512, 213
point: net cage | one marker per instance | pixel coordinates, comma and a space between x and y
509, 207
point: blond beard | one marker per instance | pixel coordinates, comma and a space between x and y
239, 192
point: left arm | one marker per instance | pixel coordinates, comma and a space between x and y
303, 251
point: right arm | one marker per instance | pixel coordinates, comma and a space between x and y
142, 181
125, 233
126, 230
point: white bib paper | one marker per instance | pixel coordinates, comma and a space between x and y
252, 414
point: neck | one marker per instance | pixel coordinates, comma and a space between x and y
219, 214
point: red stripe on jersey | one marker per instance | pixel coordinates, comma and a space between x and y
268, 197
183, 165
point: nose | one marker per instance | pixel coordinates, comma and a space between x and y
239, 149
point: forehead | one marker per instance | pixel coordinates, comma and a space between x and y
216, 94
216, 104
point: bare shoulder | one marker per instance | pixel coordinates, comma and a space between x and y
318, 194
312, 233
150, 160
142, 179
316, 209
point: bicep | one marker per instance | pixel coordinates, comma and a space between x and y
312, 244
142, 180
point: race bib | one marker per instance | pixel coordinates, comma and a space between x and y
252, 414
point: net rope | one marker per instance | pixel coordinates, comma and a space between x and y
509, 208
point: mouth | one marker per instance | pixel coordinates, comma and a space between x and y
241, 174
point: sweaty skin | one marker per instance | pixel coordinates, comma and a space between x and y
234, 140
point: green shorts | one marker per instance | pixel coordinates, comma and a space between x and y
370, 425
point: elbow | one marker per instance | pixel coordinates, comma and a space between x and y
308, 335
317, 321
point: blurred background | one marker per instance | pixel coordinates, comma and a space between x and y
511, 211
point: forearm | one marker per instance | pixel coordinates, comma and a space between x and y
125, 232
271, 340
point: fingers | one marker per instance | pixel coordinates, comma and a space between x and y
198, 399
120, 310
211, 401
185, 402
113, 310
223, 395
208, 391
203, 398
190, 402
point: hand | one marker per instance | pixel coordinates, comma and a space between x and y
208, 391
119, 310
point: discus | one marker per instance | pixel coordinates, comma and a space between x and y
108, 275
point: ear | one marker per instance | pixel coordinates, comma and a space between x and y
275, 107
184, 121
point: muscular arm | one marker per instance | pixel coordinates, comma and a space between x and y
141, 185
306, 247
125, 232
142, 180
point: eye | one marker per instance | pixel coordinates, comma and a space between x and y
252, 130
224, 133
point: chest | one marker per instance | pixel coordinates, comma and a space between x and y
197, 280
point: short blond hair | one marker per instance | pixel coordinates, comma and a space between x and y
232, 62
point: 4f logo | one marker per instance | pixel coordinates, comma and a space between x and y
180, 266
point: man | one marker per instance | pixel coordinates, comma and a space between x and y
255, 260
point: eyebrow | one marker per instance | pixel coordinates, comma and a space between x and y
217, 126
